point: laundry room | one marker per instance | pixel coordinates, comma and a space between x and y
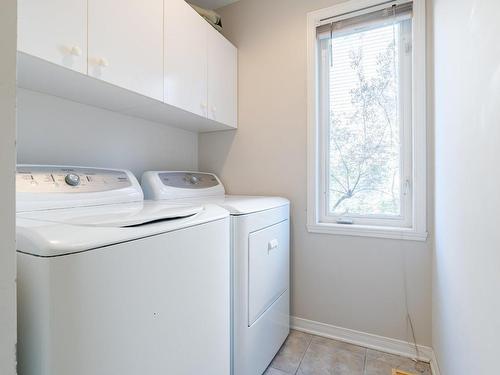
249, 187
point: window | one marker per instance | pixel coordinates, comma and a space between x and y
367, 126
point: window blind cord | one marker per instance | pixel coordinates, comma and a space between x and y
331, 45
395, 65
409, 322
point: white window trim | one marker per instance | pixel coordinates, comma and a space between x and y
406, 217
418, 230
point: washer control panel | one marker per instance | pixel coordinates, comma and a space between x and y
188, 180
48, 179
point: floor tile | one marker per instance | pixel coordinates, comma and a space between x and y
378, 363
338, 345
298, 334
273, 371
292, 351
305, 354
321, 359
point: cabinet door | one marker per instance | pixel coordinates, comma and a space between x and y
125, 45
222, 79
185, 58
54, 30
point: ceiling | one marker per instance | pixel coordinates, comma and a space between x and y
211, 4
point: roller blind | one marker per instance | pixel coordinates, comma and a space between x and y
374, 16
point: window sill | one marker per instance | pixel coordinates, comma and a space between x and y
395, 233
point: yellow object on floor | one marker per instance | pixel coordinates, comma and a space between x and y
399, 372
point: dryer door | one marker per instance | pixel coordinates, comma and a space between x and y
268, 268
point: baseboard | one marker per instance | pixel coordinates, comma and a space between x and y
367, 340
434, 364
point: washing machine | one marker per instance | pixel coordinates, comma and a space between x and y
260, 254
111, 285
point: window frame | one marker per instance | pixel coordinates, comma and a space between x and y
414, 228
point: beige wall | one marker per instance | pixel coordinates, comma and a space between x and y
48, 127
7, 200
349, 282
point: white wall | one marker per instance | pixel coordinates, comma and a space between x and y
7, 201
350, 282
466, 285
56, 131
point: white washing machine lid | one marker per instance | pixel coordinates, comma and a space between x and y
72, 230
116, 215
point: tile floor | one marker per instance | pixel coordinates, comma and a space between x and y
304, 354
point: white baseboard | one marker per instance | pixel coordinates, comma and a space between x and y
366, 340
434, 365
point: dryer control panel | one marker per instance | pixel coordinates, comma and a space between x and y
49, 179
160, 185
188, 180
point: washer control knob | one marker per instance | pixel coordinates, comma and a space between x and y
194, 180
72, 179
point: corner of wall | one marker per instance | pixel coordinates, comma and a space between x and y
8, 42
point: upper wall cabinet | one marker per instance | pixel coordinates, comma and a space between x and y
55, 30
185, 58
125, 44
200, 65
222, 79
155, 59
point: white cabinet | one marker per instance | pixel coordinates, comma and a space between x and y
125, 44
200, 65
160, 49
54, 30
185, 58
222, 79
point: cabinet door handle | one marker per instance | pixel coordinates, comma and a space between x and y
204, 109
75, 51
103, 63
273, 244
